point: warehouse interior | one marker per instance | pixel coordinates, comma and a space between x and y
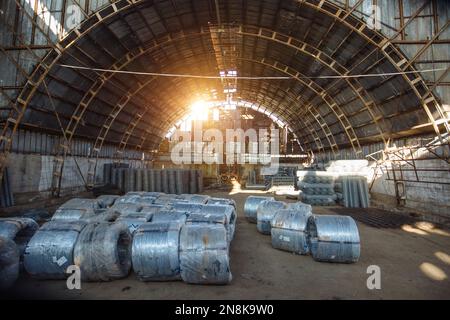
119, 113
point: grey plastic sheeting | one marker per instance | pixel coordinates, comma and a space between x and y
134, 220
155, 253
204, 257
106, 200
50, 250
333, 238
251, 204
9, 263
76, 209
103, 252
264, 214
288, 230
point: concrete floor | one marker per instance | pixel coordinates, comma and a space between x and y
414, 262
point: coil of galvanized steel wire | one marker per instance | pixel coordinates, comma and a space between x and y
9, 263
76, 209
251, 204
204, 255
106, 200
195, 198
229, 212
155, 253
103, 252
153, 208
264, 214
124, 208
300, 206
187, 207
169, 216
288, 230
333, 238
134, 220
19, 230
50, 251
212, 201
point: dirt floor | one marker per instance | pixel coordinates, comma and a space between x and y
414, 260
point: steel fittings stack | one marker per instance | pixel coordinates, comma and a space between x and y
15, 233
173, 181
294, 228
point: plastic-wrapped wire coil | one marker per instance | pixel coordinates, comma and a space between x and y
187, 207
50, 250
106, 200
204, 257
300, 206
264, 214
164, 181
288, 230
222, 201
153, 208
19, 230
169, 216
9, 263
230, 213
251, 204
333, 238
76, 209
155, 253
195, 198
123, 208
134, 220
103, 252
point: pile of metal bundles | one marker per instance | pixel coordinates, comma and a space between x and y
174, 181
317, 187
9, 263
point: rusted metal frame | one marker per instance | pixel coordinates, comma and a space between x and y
324, 59
353, 8
402, 18
429, 102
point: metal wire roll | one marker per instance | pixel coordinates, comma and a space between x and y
223, 201
164, 181
155, 253
9, 263
50, 250
199, 181
264, 214
158, 180
123, 208
227, 210
138, 179
300, 206
288, 230
179, 183
171, 180
129, 178
195, 198
204, 257
153, 208
106, 200
19, 230
121, 179
134, 220
76, 209
333, 238
187, 207
149, 180
193, 188
169, 216
103, 252
114, 176
251, 204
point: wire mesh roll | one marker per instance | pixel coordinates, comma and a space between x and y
222, 201
103, 252
130, 178
155, 253
333, 238
145, 180
121, 179
164, 181
149, 175
158, 180
138, 179
251, 204
76, 209
288, 230
169, 216
19, 230
193, 181
179, 184
318, 199
199, 181
106, 200
264, 214
204, 255
134, 220
50, 250
227, 210
114, 176
171, 180
9, 263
